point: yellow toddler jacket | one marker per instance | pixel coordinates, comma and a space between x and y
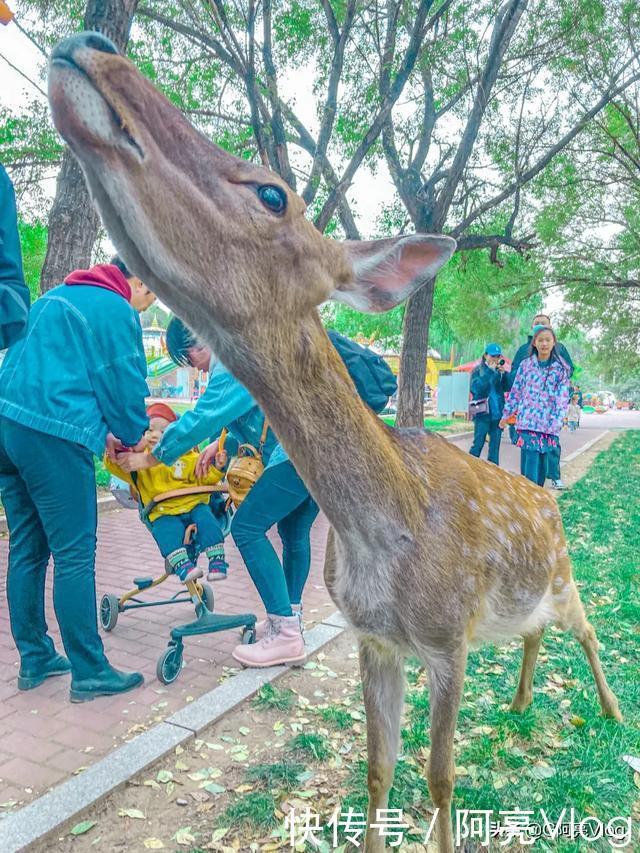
168, 478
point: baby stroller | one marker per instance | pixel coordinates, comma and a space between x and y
197, 592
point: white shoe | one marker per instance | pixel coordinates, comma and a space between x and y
558, 484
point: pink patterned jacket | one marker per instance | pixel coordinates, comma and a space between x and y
539, 396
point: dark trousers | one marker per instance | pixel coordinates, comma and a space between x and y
48, 489
533, 465
168, 530
481, 428
553, 462
279, 497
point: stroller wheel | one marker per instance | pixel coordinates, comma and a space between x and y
109, 605
248, 637
207, 596
169, 664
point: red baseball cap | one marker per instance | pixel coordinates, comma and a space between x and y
161, 410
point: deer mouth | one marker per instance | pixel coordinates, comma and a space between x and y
85, 112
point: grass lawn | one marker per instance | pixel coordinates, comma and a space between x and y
301, 744
437, 424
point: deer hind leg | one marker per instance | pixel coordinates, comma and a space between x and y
524, 693
382, 673
445, 691
576, 621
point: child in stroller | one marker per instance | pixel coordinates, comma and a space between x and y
169, 520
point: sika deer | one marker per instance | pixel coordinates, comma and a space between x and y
431, 550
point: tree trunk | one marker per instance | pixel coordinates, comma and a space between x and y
413, 359
73, 221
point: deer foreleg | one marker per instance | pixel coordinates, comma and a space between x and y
445, 691
524, 693
382, 673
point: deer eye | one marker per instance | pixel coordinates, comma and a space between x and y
273, 197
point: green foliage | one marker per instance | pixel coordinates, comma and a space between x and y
33, 241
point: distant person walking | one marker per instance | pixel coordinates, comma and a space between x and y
539, 397
573, 414
14, 293
553, 456
489, 381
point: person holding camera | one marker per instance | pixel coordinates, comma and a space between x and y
489, 382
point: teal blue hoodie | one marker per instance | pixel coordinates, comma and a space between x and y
225, 403
80, 369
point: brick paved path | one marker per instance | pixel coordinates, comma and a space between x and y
43, 738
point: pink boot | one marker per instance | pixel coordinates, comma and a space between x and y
282, 643
261, 626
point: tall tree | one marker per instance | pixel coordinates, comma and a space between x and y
73, 221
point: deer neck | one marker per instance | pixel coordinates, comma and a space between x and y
350, 461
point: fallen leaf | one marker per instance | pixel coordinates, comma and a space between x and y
578, 722
214, 788
219, 834
181, 765
84, 826
164, 776
183, 836
153, 844
632, 761
244, 731
151, 783
133, 813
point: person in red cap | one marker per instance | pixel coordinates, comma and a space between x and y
169, 520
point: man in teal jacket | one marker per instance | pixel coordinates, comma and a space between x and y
14, 294
78, 373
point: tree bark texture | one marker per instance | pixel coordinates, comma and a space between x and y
73, 221
413, 359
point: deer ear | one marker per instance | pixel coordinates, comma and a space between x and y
386, 272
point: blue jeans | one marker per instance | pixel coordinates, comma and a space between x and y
553, 462
481, 428
533, 465
279, 497
168, 530
48, 489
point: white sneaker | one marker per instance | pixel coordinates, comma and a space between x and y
558, 484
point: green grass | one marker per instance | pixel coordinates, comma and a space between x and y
281, 775
436, 424
309, 744
336, 716
274, 697
255, 810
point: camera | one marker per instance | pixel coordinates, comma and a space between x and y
501, 362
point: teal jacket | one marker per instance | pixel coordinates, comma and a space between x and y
14, 294
80, 370
225, 403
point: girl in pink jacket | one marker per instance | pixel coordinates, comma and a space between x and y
539, 398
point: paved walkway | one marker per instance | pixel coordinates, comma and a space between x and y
43, 738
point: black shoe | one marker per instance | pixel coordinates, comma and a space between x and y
30, 678
109, 682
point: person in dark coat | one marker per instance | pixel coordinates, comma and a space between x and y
14, 293
489, 381
553, 457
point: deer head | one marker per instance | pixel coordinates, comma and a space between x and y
203, 228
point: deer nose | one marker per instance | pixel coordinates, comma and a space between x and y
94, 41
